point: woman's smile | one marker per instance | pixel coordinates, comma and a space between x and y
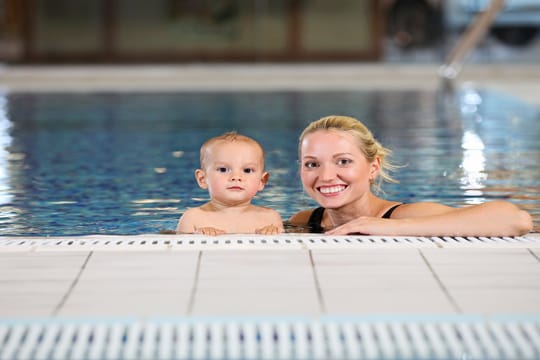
331, 190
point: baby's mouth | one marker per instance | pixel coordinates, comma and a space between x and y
331, 190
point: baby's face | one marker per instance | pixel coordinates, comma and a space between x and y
234, 171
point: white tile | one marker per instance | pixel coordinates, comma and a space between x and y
497, 280
493, 301
477, 256
12, 305
132, 305
367, 256
34, 287
141, 265
261, 302
91, 286
354, 302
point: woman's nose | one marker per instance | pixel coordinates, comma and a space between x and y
327, 173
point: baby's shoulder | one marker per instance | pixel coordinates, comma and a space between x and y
263, 210
194, 211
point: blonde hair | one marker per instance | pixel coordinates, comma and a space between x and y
367, 143
231, 136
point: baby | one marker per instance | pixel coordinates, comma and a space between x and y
232, 169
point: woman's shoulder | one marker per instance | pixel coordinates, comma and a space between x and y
419, 209
301, 217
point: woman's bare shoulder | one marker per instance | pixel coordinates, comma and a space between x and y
301, 217
420, 209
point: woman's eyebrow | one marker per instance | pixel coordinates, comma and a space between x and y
342, 154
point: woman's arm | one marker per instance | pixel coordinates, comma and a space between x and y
497, 218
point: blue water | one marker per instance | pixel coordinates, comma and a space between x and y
122, 163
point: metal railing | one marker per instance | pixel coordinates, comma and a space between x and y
469, 40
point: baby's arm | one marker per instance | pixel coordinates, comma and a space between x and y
185, 224
275, 227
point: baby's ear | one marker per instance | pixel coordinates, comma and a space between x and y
264, 179
200, 176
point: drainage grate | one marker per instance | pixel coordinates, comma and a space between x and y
456, 337
291, 241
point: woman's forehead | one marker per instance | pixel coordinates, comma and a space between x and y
331, 139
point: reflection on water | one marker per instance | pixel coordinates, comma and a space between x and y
123, 163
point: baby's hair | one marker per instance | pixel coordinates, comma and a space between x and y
367, 143
230, 136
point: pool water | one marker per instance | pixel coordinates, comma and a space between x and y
122, 163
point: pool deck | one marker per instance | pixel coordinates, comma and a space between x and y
518, 80
288, 275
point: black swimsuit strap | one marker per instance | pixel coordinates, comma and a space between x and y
315, 219
389, 212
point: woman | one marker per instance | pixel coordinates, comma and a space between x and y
341, 163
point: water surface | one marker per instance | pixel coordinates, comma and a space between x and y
122, 163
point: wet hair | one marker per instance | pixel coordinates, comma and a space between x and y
231, 136
367, 143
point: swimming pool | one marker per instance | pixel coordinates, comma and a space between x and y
122, 163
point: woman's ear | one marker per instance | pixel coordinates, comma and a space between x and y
374, 168
264, 179
200, 176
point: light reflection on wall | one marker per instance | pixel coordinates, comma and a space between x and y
473, 163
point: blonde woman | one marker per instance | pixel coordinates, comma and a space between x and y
342, 166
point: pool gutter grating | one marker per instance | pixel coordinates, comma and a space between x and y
455, 337
291, 241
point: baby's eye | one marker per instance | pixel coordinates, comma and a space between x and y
311, 164
222, 169
249, 170
344, 162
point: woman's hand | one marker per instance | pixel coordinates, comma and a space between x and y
364, 225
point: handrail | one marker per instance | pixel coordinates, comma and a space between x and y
470, 38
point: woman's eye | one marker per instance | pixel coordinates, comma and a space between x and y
343, 162
311, 164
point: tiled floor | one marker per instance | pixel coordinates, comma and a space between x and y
267, 279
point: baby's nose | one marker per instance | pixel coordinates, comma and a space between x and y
236, 175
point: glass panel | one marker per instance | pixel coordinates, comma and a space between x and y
343, 25
202, 25
66, 26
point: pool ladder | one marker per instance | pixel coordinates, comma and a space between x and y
468, 41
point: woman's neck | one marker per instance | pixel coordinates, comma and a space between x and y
368, 205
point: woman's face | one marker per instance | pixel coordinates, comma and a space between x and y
334, 171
